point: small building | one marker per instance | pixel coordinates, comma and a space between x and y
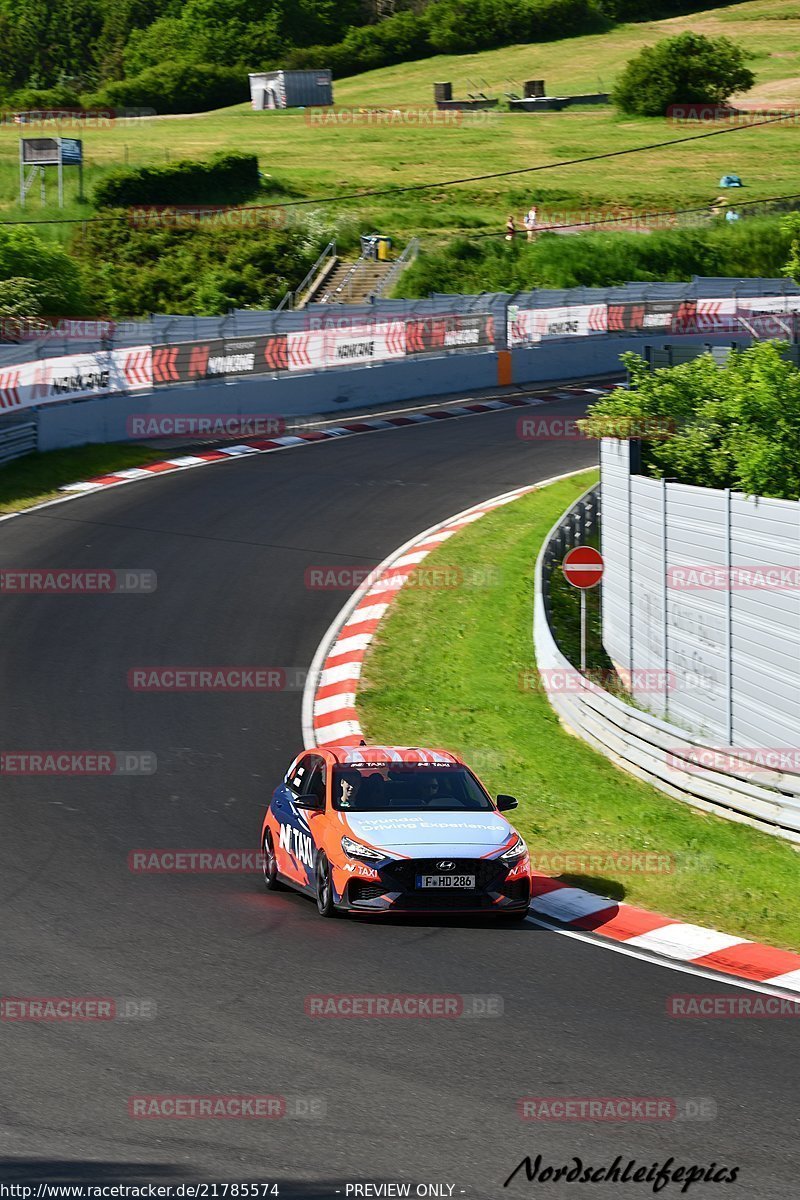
291, 89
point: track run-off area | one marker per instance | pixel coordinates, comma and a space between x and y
223, 970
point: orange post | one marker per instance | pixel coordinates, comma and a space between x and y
504, 367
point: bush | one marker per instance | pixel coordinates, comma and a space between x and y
54, 97
39, 272
751, 247
456, 28
175, 87
202, 268
449, 27
688, 69
400, 38
737, 426
224, 179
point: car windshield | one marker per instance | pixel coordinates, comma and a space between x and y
384, 787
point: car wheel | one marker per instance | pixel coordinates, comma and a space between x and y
270, 865
325, 906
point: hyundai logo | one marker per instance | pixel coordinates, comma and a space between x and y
446, 864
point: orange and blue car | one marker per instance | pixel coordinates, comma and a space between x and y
393, 829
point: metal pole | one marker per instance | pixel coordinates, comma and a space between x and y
729, 618
60, 175
665, 596
583, 631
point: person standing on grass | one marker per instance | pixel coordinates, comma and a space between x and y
511, 229
530, 222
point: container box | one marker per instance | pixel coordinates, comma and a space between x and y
291, 89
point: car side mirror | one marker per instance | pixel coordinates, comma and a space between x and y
310, 802
504, 803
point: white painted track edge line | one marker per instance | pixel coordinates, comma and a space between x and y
683, 967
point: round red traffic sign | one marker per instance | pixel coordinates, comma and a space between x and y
583, 567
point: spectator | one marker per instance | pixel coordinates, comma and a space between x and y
511, 229
530, 222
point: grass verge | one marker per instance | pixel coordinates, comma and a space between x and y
37, 477
444, 671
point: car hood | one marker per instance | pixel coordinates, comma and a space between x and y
424, 835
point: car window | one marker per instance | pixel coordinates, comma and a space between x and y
380, 787
315, 783
298, 778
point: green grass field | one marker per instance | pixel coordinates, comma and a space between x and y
317, 160
37, 478
444, 671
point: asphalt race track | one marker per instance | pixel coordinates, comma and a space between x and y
228, 967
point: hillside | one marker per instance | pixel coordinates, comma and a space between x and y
769, 28
313, 160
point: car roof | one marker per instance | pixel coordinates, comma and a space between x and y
390, 754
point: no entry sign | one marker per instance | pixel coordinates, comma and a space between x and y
583, 567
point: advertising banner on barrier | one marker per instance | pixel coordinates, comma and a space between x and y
652, 316
367, 342
74, 377
449, 331
528, 327
343, 341
186, 362
716, 316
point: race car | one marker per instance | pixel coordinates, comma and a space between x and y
393, 829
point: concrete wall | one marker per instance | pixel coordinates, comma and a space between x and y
104, 418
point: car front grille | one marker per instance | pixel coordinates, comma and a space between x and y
402, 876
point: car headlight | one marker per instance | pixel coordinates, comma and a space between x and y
515, 851
356, 850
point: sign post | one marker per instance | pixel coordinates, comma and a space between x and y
583, 569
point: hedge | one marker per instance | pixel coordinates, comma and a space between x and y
175, 88
224, 179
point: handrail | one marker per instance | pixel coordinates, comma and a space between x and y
288, 300
398, 266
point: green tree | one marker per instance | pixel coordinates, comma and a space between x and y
734, 426
687, 69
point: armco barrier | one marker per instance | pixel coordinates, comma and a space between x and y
16, 439
651, 749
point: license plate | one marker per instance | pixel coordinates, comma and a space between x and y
445, 881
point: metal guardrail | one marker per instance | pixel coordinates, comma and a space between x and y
651, 749
17, 440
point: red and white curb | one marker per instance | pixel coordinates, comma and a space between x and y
330, 716
203, 458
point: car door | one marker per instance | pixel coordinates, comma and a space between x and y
296, 845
